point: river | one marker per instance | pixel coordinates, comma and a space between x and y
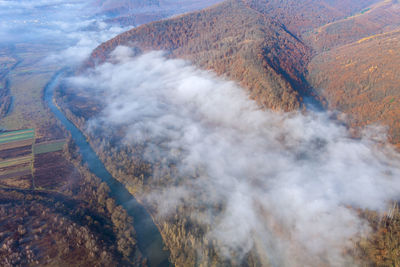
148, 236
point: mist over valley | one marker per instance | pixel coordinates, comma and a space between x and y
199, 133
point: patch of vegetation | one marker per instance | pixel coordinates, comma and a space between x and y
363, 88
42, 148
16, 161
360, 27
365, 10
382, 247
15, 137
75, 224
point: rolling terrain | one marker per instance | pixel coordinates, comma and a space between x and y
232, 40
286, 54
256, 43
302, 16
381, 17
282, 53
138, 12
55, 212
357, 74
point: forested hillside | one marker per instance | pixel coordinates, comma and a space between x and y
301, 16
281, 51
356, 66
362, 80
379, 18
257, 43
233, 40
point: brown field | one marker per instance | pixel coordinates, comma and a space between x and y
15, 152
16, 158
52, 170
16, 144
15, 168
23, 182
15, 161
17, 173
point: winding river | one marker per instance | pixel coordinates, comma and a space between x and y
148, 236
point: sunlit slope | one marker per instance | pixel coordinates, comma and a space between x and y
256, 43
301, 16
362, 79
233, 40
379, 18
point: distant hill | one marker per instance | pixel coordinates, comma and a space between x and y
344, 51
233, 40
137, 12
257, 43
124, 6
301, 16
378, 18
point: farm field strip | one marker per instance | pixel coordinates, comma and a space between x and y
16, 139
15, 152
16, 144
47, 147
16, 174
19, 137
15, 161
15, 168
19, 153
21, 182
16, 132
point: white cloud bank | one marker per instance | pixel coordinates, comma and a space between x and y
69, 28
288, 181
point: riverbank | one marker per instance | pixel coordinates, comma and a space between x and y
149, 239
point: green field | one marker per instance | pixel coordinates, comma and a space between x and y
48, 147
17, 136
15, 161
16, 132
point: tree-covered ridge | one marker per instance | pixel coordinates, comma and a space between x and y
233, 40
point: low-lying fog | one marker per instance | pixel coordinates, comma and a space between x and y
287, 180
71, 29
291, 182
